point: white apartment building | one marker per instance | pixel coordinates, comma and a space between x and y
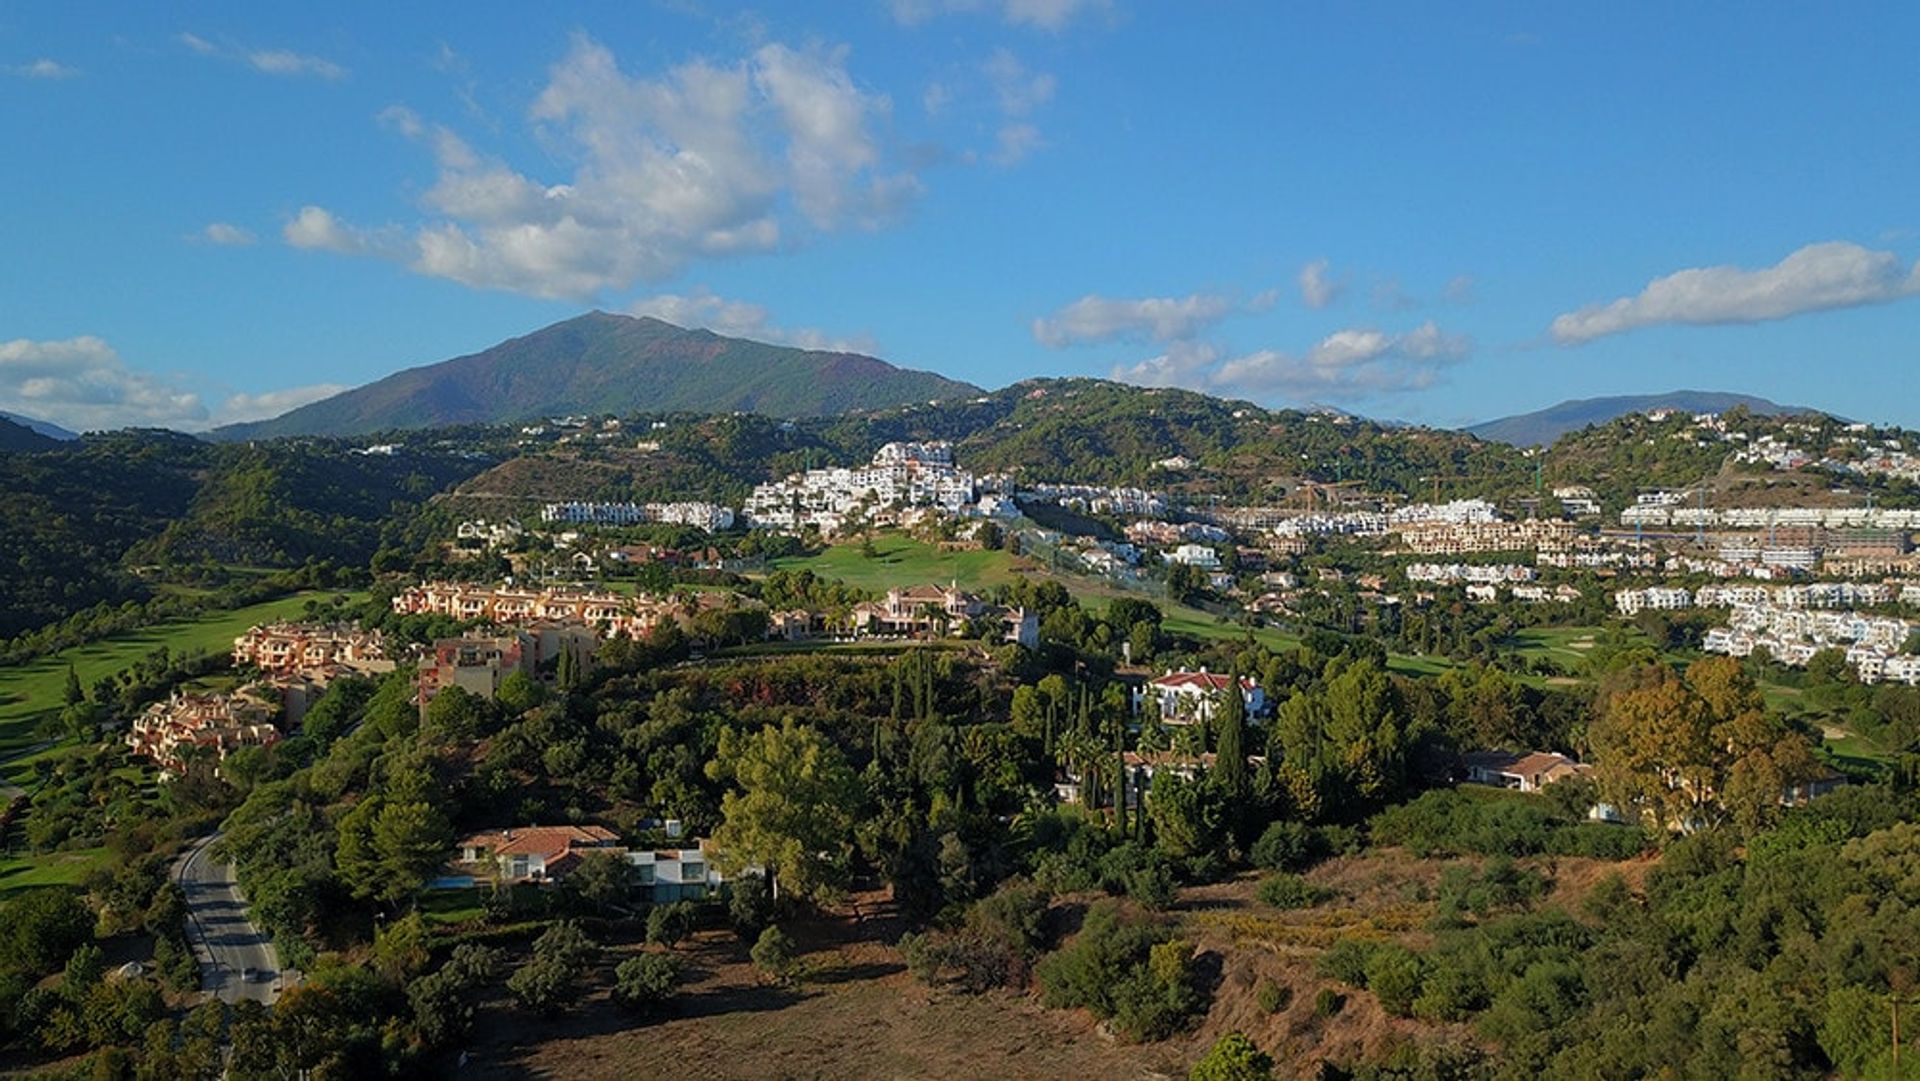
1656, 598
708, 516
1469, 572
1195, 555
902, 475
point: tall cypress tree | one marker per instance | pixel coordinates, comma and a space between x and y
1230, 719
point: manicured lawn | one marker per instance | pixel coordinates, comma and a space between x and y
31, 692
453, 906
54, 869
903, 561
1568, 645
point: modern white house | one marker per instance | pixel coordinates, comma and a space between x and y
536, 854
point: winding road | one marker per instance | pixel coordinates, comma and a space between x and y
224, 941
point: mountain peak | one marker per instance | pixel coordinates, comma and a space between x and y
1542, 427
604, 362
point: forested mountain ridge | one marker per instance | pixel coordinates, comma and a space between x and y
76, 520
605, 363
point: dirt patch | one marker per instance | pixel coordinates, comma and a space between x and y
854, 1013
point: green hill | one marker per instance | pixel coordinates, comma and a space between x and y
602, 363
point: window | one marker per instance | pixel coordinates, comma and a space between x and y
693, 872
646, 874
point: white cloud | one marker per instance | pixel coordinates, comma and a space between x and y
743, 319
244, 407
1317, 288
1014, 143
1184, 364
288, 62
1047, 14
81, 383
1818, 277
1052, 15
317, 228
1388, 296
705, 159
1095, 318
935, 99
282, 62
1352, 364
43, 68
1459, 289
1019, 91
226, 234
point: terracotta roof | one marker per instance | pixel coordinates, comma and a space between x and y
547, 841
1213, 681
1540, 762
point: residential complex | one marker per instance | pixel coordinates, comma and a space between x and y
708, 516
901, 476
287, 648
185, 726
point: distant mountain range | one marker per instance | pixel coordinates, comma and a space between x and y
602, 363
51, 431
1543, 427
20, 437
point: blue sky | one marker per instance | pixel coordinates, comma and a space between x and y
1442, 213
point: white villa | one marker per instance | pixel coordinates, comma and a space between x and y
1185, 697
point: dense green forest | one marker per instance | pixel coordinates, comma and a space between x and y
76, 522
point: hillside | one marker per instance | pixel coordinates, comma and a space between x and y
46, 428
1543, 427
20, 437
79, 518
1096, 432
602, 363
1044, 430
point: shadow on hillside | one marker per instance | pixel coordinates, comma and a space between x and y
521, 1037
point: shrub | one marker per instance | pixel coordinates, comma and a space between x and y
1497, 887
1015, 914
1328, 1003
1157, 1001
773, 953
668, 924
1288, 846
1233, 1057
1141, 873
969, 961
1125, 971
750, 905
1289, 891
560, 957
994, 949
1394, 974
1272, 997
646, 982
1346, 962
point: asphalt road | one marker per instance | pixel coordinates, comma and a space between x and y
224, 941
